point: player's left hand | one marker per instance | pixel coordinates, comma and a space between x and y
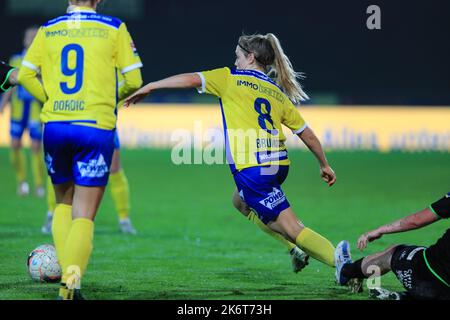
328, 175
137, 96
368, 237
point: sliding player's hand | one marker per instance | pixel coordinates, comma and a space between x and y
137, 96
328, 175
368, 237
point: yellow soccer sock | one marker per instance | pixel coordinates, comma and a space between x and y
120, 192
51, 200
316, 246
62, 221
254, 218
77, 251
37, 168
19, 164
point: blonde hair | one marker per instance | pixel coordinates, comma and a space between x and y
270, 55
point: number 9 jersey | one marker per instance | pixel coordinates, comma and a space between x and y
79, 55
253, 110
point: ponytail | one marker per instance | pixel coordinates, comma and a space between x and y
285, 76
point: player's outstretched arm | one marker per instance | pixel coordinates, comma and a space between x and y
312, 142
186, 80
416, 220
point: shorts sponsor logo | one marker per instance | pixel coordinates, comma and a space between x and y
275, 198
405, 277
95, 168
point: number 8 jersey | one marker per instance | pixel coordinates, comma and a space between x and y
79, 55
253, 110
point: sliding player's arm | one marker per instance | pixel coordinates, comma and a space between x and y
416, 220
31, 64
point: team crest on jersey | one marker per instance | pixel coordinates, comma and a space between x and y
275, 198
49, 163
95, 168
133, 47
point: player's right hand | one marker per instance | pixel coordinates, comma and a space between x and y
137, 96
368, 237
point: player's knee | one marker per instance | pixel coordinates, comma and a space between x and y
16, 144
240, 205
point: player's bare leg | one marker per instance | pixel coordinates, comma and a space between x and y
311, 242
299, 258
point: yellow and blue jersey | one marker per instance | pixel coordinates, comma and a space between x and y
254, 109
25, 109
78, 56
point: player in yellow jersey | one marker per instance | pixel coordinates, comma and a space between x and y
253, 109
25, 112
78, 55
120, 192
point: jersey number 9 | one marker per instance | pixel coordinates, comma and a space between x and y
77, 71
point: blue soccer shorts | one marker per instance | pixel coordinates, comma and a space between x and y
78, 153
262, 192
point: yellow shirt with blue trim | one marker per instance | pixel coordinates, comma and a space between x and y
22, 102
254, 108
78, 56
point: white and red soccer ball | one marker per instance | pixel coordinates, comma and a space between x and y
43, 265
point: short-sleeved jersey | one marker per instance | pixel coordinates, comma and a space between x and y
22, 102
253, 110
78, 55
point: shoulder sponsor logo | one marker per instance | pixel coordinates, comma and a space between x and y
275, 198
95, 168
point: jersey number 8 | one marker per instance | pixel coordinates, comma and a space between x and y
263, 117
77, 71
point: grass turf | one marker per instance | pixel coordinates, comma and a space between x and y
192, 244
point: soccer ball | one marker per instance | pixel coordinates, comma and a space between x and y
43, 265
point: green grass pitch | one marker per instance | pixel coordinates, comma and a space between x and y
192, 244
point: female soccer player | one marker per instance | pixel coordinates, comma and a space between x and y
78, 55
120, 192
25, 112
253, 109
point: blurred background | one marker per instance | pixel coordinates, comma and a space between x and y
386, 89
404, 63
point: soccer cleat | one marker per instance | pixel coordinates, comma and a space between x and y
355, 285
23, 189
342, 257
65, 293
40, 192
47, 227
126, 227
383, 294
299, 259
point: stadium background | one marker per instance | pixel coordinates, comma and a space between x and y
376, 96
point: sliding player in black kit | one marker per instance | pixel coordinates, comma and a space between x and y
424, 272
8, 77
